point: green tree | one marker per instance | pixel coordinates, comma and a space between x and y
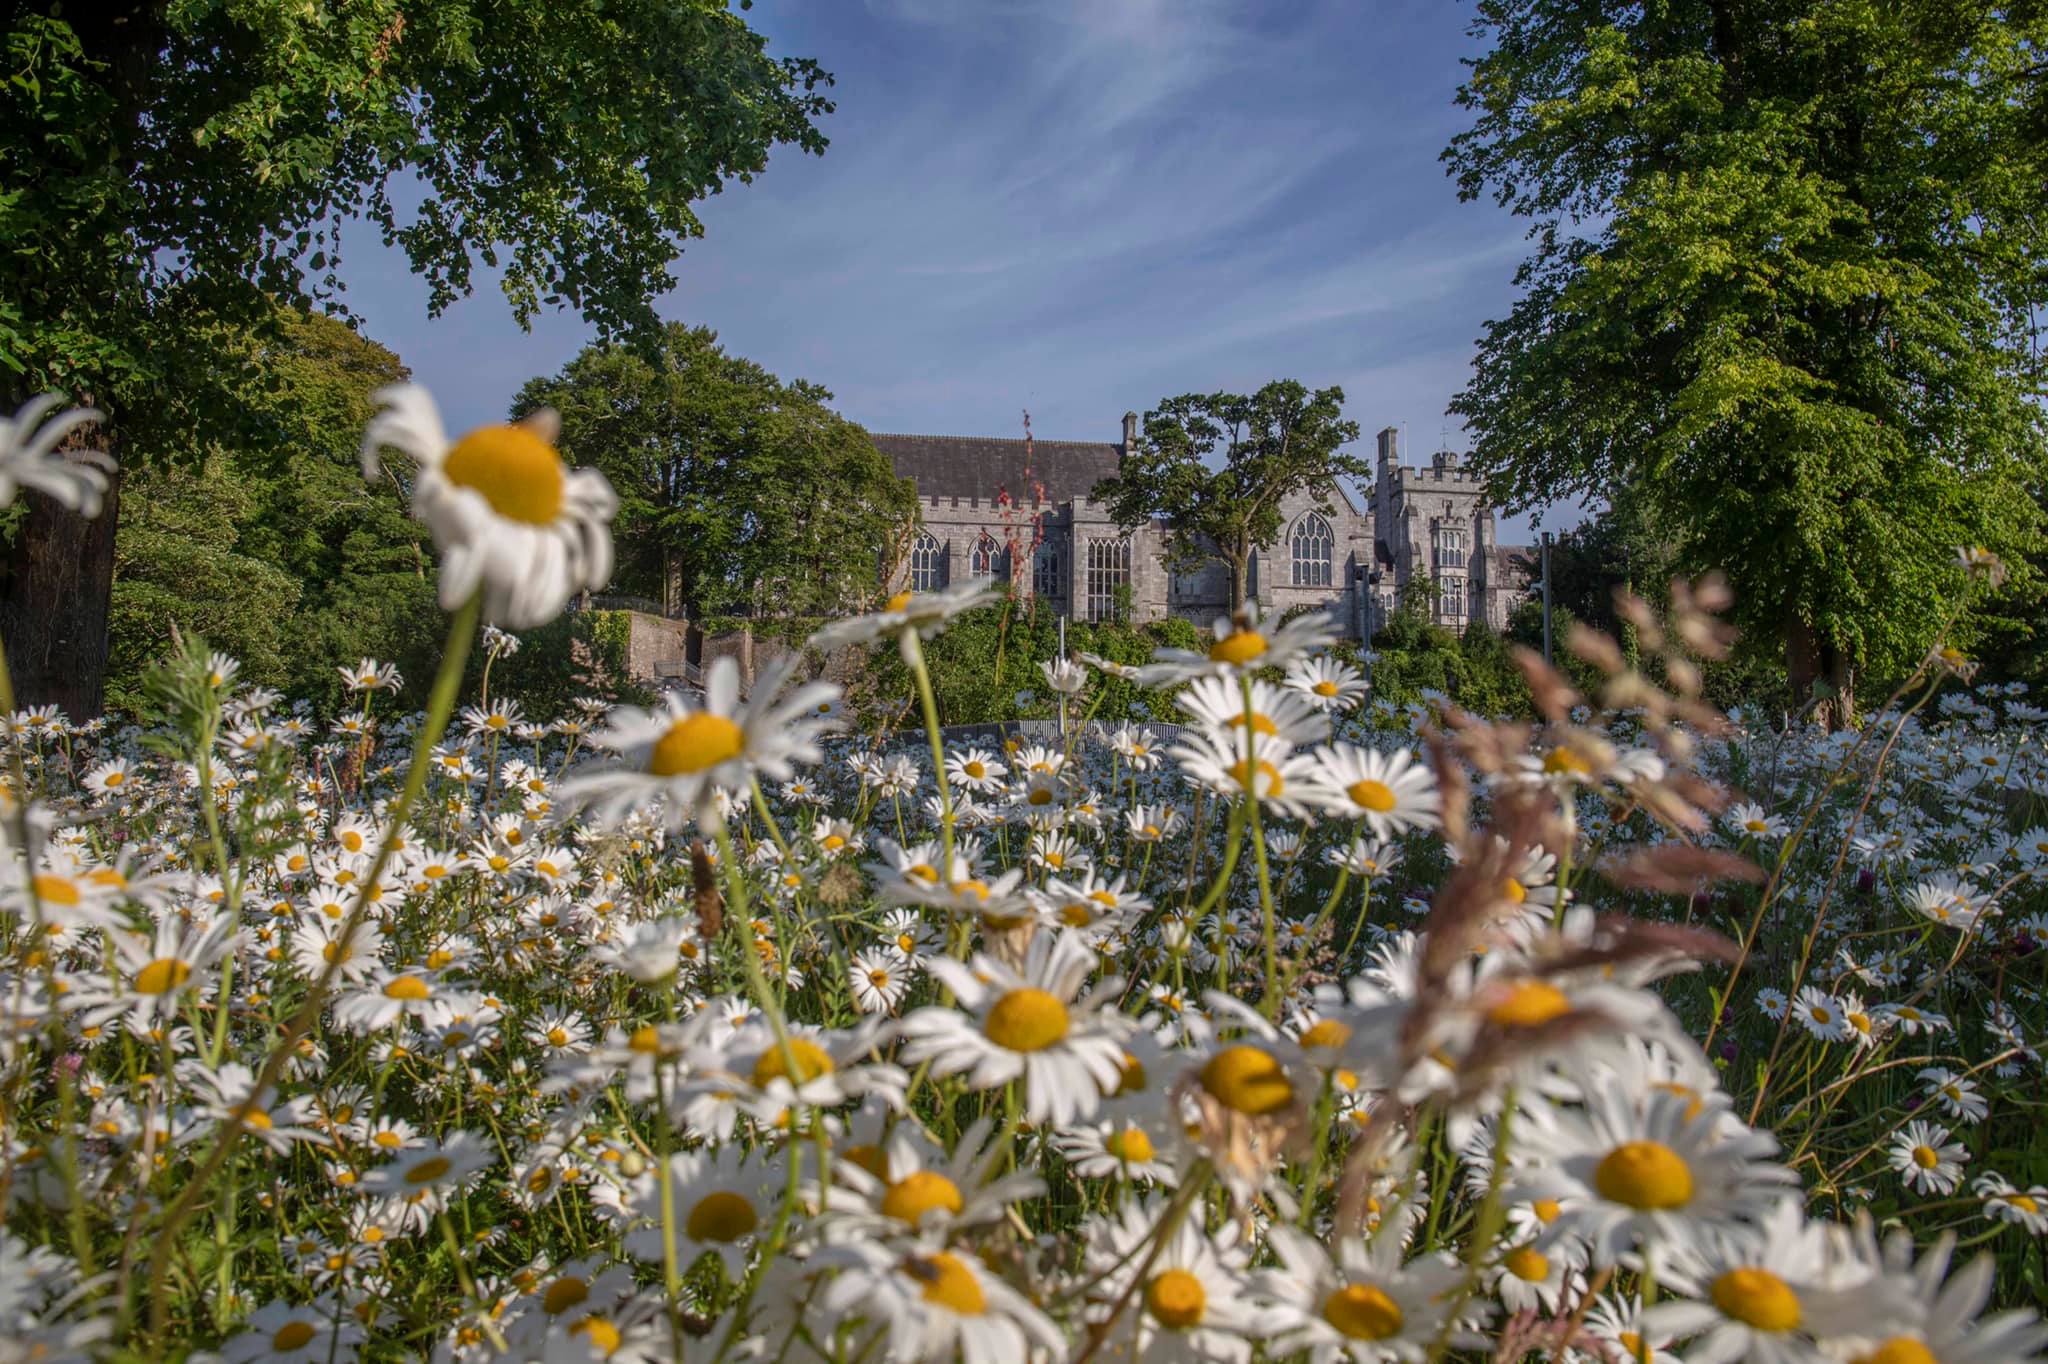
170, 173
1788, 256
295, 568
739, 493
1413, 654
1277, 442
1484, 677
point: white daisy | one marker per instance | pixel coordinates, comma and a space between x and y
1926, 1159
1391, 792
675, 754
508, 517
1026, 1023
29, 457
1361, 1304
1626, 1173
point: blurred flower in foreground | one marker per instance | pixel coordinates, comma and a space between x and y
507, 515
29, 457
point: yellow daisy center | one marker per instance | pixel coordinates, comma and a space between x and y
1564, 762
975, 770
869, 1158
407, 987
723, 1217
1026, 1019
698, 741
1326, 1032
514, 470
600, 1332
1758, 1298
1240, 647
428, 1170
1325, 689
1176, 1298
1926, 1157
1247, 1080
293, 1335
950, 1284
1899, 1350
56, 890
1131, 1146
1375, 796
2024, 1202
563, 1294
162, 976
897, 602
1530, 1004
1546, 1210
811, 1062
919, 1192
1363, 1312
1645, 1175
1132, 1079
1249, 777
1527, 1264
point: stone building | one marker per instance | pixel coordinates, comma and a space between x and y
1023, 513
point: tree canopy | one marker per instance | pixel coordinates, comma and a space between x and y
173, 174
1788, 255
295, 568
1216, 467
739, 493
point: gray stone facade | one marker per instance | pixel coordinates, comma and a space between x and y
1022, 512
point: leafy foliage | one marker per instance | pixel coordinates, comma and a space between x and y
1788, 256
174, 168
1279, 441
988, 658
296, 568
739, 493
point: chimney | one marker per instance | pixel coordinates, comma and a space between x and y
1130, 432
1390, 448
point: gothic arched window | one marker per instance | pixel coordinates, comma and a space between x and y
1312, 544
927, 563
1109, 577
989, 560
1048, 572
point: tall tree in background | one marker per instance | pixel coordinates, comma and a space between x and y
296, 567
1277, 442
172, 173
739, 493
1788, 256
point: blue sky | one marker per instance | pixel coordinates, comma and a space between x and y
1075, 208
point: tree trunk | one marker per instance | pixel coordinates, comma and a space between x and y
56, 592
1815, 664
671, 581
1237, 583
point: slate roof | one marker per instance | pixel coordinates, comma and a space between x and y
984, 467
1520, 561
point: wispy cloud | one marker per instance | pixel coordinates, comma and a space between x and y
1077, 207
